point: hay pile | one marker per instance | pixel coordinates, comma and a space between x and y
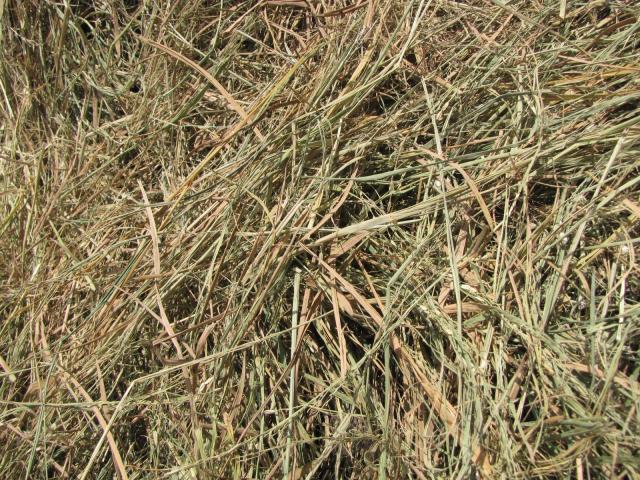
319, 239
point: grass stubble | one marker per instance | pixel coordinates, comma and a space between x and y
319, 239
